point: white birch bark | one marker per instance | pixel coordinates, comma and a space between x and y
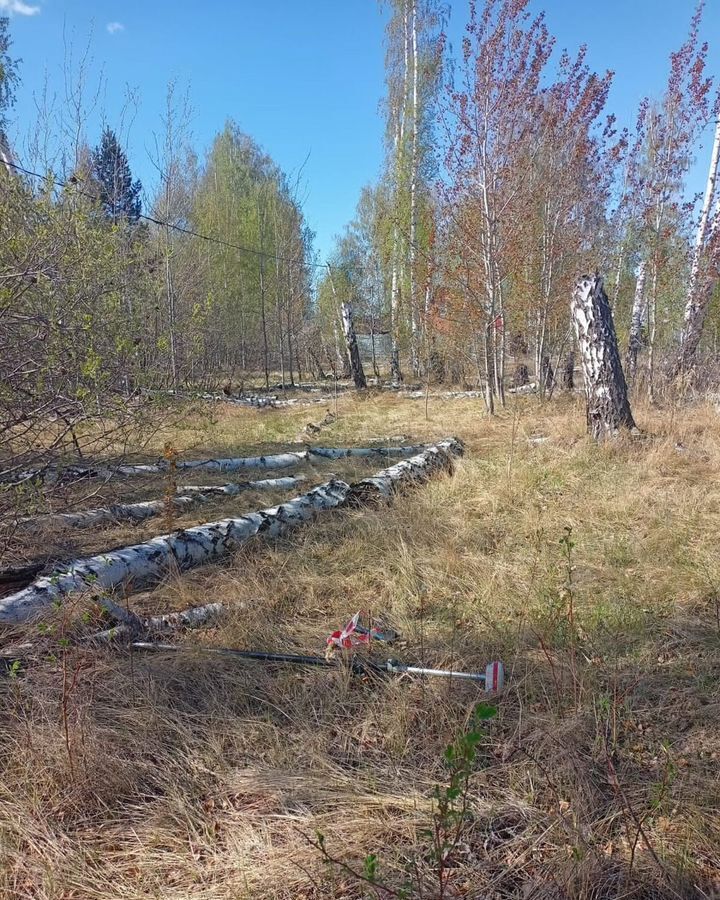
395, 371
272, 461
608, 409
186, 618
89, 518
139, 565
636, 320
344, 452
351, 344
414, 305
699, 288
356, 366
399, 148
6, 157
417, 468
190, 495
230, 490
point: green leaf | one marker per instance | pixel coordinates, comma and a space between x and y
485, 711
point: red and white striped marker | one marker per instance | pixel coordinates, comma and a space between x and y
494, 676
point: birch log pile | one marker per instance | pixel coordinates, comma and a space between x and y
608, 408
139, 565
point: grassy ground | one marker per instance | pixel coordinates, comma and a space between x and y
592, 572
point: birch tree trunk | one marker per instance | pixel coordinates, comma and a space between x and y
353, 353
608, 409
700, 288
356, 366
141, 564
399, 148
414, 303
636, 320
395, 372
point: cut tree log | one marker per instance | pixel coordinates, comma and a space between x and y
141, 564
51, 474
343, 452
186, 618
264, 484
234, 464
231, 464
117, 512
418, 468
608, 408
190, 495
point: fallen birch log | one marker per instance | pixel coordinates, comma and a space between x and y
264, 484
272, 461
141, 564
343, 452
231, 464
138, 565
74, 473
190, 495
117, 512
418, 468
186, 618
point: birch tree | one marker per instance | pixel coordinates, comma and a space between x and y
492, 110
412, 79
703, 263
671, 129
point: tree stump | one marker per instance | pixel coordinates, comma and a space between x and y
356, 366
608, 408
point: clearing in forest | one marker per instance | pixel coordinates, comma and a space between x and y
590, 570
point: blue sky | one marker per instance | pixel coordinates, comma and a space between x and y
303, 77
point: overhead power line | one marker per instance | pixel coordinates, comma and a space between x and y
174, 227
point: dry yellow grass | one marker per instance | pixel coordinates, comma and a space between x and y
198, 777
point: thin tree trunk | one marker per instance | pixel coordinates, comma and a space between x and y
652, 331
700, 288
264, 323
395, 372
414, 303
636, 320
608, 408
489, 372
171, 308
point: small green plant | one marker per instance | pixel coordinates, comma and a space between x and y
450, 820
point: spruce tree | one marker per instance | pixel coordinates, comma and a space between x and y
119, 194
